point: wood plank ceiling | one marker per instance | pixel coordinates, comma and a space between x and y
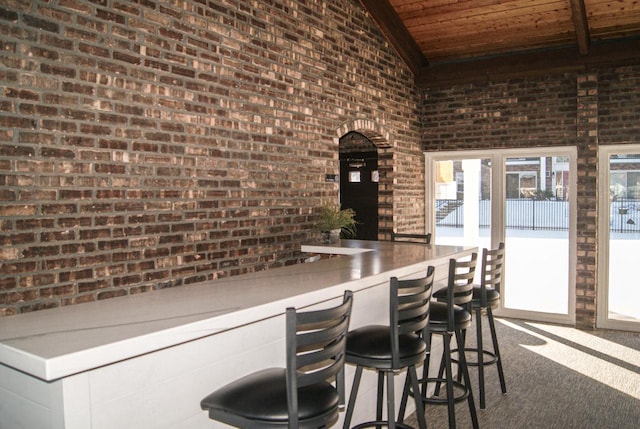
448, 42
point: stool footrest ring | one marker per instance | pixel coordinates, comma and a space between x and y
492, 358
464, 391
378, 423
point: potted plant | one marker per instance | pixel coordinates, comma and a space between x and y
332, 221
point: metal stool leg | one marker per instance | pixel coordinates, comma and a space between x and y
464, 342
391, 413
480, 357
352, 398
405, 399
380, 395
413, 375
420, 385
462, 366
451, 404
440, 373
496, 350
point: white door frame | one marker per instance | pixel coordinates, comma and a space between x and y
498, 191
602, 307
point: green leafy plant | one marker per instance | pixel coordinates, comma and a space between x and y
539, 194
330, 218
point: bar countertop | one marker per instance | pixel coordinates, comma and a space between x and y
55, 343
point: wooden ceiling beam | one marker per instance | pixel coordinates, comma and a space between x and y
579, 16
396, 33
551, 61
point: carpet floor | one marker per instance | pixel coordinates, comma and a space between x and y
557, 377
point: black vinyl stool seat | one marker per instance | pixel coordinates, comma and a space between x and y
411, 238
390, 349
486, 297
303, 394
450, 318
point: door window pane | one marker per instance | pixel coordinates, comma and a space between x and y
623, 294
537, 239
463, 202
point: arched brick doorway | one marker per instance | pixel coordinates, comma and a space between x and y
365, 138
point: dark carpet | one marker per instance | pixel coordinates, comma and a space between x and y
557, 377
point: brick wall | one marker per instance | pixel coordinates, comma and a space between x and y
155, 144
517, 113
587, 197
585, 110
619, 105
160, 144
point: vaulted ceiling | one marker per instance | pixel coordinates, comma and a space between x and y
447, 42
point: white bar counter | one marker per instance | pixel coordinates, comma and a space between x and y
145, 361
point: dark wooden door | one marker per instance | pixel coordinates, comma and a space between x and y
359, 190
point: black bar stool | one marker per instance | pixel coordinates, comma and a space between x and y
412, 238
449, 319
390, 349
486, 297
302, 395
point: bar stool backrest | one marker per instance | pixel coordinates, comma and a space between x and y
409, 309
460, 285
492, 268
316, 344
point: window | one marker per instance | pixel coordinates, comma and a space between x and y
521, 184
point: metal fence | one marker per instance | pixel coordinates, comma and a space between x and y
533, 214
625, 215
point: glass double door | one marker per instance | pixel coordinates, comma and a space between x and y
525, 200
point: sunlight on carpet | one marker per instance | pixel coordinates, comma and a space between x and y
589, 355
